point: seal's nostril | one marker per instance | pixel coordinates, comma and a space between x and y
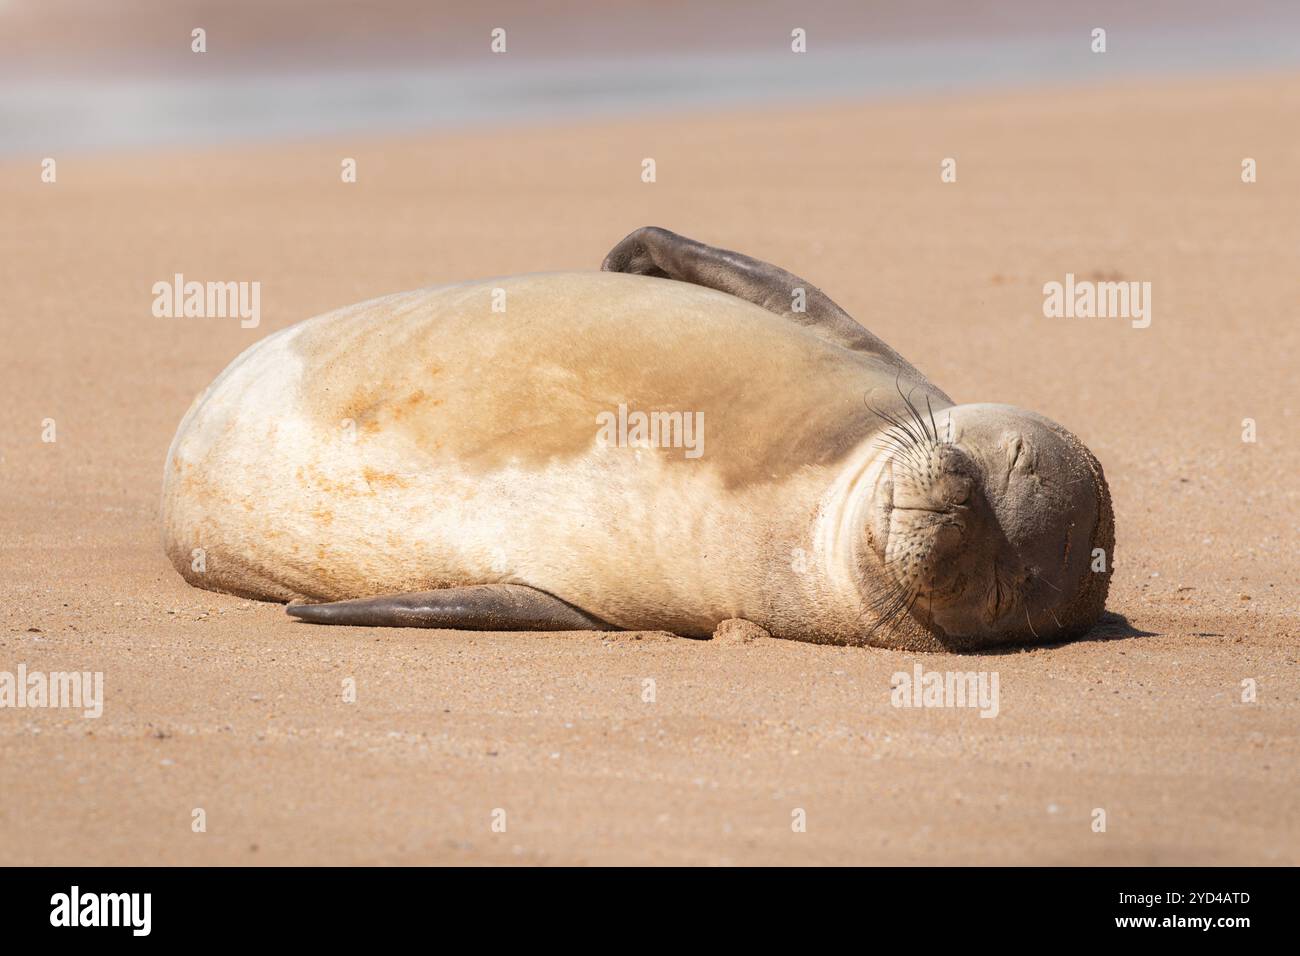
956, 489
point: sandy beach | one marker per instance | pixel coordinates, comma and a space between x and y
225, 705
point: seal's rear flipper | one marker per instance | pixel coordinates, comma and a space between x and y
656, 252
480, 607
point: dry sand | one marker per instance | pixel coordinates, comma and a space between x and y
225, 705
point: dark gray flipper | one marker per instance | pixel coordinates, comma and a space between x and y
652, 251
480, 607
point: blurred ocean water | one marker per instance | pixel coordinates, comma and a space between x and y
44, 115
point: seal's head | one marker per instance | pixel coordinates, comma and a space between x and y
994, 525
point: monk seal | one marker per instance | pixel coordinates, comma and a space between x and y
477, 456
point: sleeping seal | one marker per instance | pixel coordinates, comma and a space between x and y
688, 436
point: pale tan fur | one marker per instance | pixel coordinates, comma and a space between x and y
475, 457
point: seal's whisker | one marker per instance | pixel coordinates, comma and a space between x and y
915, 415
898, 619
916, 594
907, 458
903, 426
883, 619
904, 443
904, 422
887, 598
880, 619
914, 448
897, 439
887, 606
930, 408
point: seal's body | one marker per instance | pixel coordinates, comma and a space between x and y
424, 441
428, 444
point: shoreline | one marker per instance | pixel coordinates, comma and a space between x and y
197, 108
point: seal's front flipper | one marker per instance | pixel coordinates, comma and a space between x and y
480, 607
652, 251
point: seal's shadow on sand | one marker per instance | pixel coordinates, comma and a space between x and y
1109, 627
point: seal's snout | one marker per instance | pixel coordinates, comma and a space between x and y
939, 480
934, 510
